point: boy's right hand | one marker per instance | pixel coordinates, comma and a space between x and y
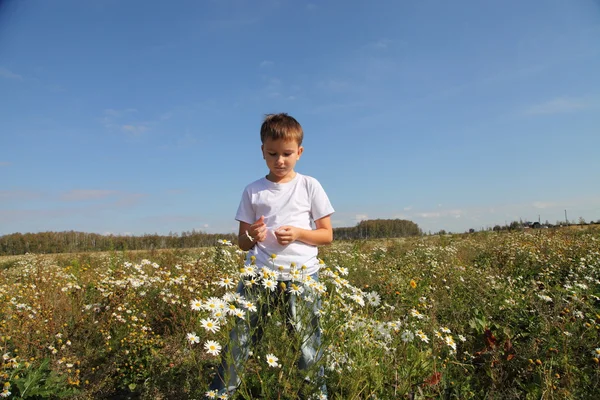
258, 230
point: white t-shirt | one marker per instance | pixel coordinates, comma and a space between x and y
297, 203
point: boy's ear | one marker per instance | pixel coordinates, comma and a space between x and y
262, 150
300, 151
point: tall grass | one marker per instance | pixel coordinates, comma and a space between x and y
489, 315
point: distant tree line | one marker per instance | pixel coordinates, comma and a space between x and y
379, 228
72, 241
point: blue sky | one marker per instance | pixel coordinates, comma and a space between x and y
143, 116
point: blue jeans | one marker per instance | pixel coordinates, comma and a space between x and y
248, 332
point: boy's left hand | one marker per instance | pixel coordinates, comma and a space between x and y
287, 234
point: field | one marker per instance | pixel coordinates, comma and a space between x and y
486, 315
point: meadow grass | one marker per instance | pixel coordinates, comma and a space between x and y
486, 315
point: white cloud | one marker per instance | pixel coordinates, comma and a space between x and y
361, 217
407, 208
134, 129
82, 195
381, 44
559, 105
20, 195
542, 205
8, 74
266, 64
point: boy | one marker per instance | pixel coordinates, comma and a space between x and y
275, 218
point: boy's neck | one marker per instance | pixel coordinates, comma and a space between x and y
285, 179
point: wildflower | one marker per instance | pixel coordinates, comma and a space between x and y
343, 271
272, 361
358, 299
413, 283
374, 299
5, 393
416, 314
445, 330
422, 336
212, 347
210, 325
407, 336
546, 298
295, 289
249, 306
270, 284
211, 394
226, 282
450, 342
193, 338
462, 338
248, 271
596, 353
196, 305
212, 304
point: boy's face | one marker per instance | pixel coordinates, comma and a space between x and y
281, 157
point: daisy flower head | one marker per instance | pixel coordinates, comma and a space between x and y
416, 314
596, 353
343, 271
213, 348
210, 325
196, 305
226, 282
450, 342
193, 338
250, 306
248, 271
212, 304
358, 299
407, 336
272, 361
211, 394
422, 336
374, 299
295, 289
270, 284
445, 329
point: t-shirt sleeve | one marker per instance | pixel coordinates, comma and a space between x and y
320, 204
245, 212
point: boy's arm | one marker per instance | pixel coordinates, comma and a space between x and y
316, 237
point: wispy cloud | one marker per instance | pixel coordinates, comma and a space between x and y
83, 195
266, 64
19, 195
311, 7
8, 74
4, 163
134, 129
440, 214
380, 44
559, 105
361, 217
542, 204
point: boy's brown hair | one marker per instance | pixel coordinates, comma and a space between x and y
281, 126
